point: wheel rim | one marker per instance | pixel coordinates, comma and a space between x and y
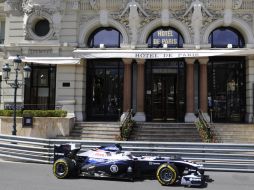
166, 175
60, 169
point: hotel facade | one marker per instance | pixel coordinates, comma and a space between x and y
162, 59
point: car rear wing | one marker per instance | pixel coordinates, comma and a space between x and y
66, 150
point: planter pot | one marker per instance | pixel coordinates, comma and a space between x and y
43, 127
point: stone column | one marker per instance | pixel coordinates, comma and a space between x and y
189, 116
126, 87
203, 99
140, 115
249, 89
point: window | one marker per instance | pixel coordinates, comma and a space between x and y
226, 89
110, 37
221, 37
41, 27
40, 88
165, 35
104, 78
2, 31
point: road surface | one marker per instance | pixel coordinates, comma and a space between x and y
26, 176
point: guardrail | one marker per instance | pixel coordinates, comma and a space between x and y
214, 156
24, 149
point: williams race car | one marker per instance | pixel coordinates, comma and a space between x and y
112, 162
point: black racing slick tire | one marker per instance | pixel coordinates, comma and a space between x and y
167, 174
63, 168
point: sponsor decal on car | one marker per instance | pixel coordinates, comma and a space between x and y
114, 168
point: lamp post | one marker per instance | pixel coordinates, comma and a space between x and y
16, 84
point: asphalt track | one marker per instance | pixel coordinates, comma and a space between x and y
24, 176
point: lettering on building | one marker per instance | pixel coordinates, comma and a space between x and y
165, 37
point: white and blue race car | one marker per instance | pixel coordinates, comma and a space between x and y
112, 162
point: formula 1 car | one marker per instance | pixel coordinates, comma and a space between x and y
112, 162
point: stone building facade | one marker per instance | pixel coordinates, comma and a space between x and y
164, 59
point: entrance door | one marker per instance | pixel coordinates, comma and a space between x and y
164, 88
104, 92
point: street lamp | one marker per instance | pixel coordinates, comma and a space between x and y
16, 84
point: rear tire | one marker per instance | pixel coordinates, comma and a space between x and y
63, 168
167, 174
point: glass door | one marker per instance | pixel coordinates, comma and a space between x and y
104, 93
164, 97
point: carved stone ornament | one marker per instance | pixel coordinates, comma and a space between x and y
50, 6
237, 4
30, 25
13, 5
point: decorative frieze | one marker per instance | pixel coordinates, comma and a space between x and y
42, 10
39, 52
158, 4
13, 5
132, 15
30, 6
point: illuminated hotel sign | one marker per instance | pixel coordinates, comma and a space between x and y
169, 37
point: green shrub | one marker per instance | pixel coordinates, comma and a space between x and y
126, 129
205, 132
9, 113
35, 113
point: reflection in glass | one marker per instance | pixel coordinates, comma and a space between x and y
40, 88
223, 36
226, 90
110, 37
165, 90
105, 86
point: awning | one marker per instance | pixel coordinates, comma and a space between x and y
158, 53
48, 60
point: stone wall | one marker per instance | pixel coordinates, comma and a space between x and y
50, 127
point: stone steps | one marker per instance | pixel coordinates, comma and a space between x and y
165, 132
234, 133
95, 131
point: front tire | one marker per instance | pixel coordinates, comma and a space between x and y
167, 174
63, 168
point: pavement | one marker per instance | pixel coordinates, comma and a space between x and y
27, 176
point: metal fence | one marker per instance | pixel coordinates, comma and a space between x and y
214, 156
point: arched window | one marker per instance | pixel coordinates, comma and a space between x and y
221, 37
165, 35
110, 37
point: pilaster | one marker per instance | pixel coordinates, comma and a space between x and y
140, 115
126, 87
190, 116
203, 100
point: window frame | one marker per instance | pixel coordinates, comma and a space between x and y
241, 41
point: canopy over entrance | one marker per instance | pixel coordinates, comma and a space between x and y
158, 54
48, 60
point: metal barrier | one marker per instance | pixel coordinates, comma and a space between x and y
24, 149
214, 156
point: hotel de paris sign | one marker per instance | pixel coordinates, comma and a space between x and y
156, 53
